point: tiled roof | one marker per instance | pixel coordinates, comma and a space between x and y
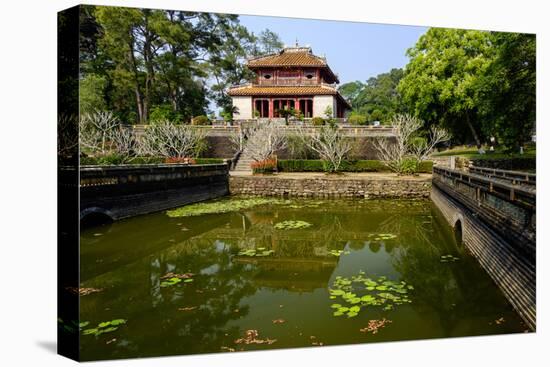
288, 57
257, 90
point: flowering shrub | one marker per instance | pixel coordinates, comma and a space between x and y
185, 160
264, 166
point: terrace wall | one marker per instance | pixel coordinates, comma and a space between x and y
321, 186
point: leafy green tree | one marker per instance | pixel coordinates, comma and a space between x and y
266, 42
508, 90
92, 93
377, 98
351, 91
440, 84
155, 58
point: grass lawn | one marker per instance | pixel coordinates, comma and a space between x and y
471, 153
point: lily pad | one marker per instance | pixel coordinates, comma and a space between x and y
292, 224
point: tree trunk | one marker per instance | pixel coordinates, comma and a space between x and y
139, 97
473, 131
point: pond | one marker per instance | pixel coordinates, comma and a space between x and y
279, 274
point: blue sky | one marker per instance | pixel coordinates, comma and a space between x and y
355, 51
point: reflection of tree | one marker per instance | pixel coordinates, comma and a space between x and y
218, 288
456, 292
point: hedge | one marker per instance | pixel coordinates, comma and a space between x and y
314, 165
513, 163
115, 160
209, 160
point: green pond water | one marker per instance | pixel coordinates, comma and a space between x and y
362, 271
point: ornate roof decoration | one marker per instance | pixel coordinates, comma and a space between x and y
291, 57
281, 90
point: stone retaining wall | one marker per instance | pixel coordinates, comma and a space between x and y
511, 270
353, 187
125, 191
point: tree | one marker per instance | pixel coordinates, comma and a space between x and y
92, 93
350, 91
328, 142
96, 131
168, 140
157, 58
377, 99
267, 42
508, 89
408, 149
265, 141
440, 84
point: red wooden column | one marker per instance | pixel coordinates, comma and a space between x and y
296, 104
271, 108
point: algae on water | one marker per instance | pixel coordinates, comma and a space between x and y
219, 206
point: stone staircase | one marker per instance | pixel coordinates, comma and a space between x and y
243, 164
244, 161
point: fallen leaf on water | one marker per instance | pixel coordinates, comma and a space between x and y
187, 308
81, 291
111, 341
374, 325
500, 321
278, 321
175, 275
228, 349
252, 337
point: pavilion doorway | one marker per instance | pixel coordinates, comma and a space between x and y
262, 107
282, 104
306, 107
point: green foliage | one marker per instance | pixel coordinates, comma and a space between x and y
209, 161
377, 99
312, 165
292, 224
219, 206
360, 291
92, 93
266, 42
408, 166
357, 119
157, 62
441, 80
200, 120
104, 327
508, 90
164, 112
259, 252
318, 121
328, 112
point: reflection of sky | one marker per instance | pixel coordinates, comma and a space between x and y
354, 51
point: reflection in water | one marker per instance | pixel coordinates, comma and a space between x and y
232, 293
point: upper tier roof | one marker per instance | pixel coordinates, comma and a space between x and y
291, 57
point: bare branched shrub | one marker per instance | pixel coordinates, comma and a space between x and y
422, 148
124, 143
408, 149
265, 141
165, 139
96, 131
67, 136
329, 143
238, 138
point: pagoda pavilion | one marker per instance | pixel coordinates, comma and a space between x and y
291, 78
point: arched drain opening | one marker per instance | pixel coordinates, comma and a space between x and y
94, 218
